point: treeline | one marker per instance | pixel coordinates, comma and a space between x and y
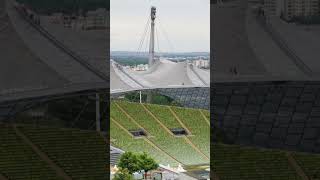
130, 60
65, 6
154, 98
306, 20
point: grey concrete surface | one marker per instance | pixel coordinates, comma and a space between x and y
230, 40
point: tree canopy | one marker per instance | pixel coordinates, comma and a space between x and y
146, 163
123, 174
131, 163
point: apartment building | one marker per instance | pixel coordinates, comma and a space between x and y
300, 8
273, 7
96, 19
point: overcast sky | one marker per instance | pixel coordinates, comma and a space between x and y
186, 23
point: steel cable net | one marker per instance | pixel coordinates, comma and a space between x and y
282, 115
187, 97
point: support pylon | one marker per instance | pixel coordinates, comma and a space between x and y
151, 46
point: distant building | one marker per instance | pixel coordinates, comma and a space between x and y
56, 18
92, 20
273, 7
141, 67
96, 19
291, 8
300, 8
204, 64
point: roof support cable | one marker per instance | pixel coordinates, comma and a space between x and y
143, 36
157, 36
166, 36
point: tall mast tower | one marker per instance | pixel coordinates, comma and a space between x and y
151, 46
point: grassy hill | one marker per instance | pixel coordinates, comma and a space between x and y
160, 143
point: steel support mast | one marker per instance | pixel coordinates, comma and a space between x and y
151, 46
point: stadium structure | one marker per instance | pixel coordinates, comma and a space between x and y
176, 137
161, 73
265, 94
41, 66
173, 136
43, 62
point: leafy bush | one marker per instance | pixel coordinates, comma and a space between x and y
129, 161
123, 174
146, 163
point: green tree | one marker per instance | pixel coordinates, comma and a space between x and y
123, 174
129, 161
147, 163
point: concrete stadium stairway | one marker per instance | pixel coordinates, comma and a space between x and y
115, 154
